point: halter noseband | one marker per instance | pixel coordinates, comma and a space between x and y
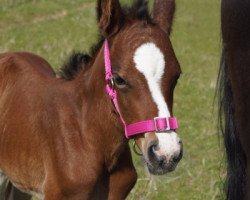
158, 124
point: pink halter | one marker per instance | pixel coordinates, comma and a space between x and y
158, 124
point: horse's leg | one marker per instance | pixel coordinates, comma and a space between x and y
3, 185
9, 192
123, 178
16, 194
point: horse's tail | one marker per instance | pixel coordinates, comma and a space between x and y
236, 159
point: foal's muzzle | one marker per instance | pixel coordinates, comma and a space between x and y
161, 151
159, 164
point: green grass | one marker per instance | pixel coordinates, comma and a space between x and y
53, 29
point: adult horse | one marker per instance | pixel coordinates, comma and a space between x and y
64, 138
235, 95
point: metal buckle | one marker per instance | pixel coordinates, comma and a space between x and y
167, 122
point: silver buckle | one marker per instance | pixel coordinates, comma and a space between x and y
167, 122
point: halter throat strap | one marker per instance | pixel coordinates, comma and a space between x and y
158, 124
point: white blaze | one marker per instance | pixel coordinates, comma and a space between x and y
150, 61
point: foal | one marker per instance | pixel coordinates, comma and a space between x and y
64, 138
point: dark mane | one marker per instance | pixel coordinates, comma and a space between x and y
79, 61
75, 63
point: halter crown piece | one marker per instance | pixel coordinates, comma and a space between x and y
158, 124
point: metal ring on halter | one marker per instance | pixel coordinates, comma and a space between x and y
112, 83
135, 149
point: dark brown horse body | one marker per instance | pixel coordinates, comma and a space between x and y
235, 95
62, 139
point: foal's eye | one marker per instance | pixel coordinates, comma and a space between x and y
119, 82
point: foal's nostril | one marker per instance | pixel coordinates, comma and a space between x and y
152, 149
153, 146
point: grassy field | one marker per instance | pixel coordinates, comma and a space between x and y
53, 29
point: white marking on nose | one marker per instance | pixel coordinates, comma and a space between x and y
150, 61
169, 144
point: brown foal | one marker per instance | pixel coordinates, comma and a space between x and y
60, 138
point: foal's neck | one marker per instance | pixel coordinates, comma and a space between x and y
100, 121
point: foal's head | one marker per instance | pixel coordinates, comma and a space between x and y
145, 72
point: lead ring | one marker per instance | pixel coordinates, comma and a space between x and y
135, 149
112, 83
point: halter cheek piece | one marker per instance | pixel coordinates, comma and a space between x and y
158, 124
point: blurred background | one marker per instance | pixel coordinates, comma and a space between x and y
53, 29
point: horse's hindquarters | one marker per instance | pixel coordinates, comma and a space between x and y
23, 78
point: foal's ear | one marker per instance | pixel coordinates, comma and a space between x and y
110, 16
163, 13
